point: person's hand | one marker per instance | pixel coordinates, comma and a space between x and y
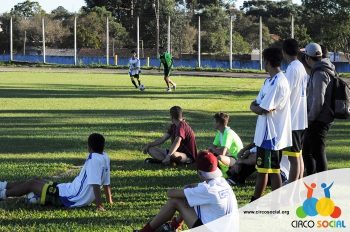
166, 161
145, 149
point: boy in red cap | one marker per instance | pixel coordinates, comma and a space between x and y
197, 204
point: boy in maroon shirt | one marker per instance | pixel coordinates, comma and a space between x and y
183, 148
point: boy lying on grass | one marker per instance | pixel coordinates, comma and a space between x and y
84, 189
197, 204
183, 148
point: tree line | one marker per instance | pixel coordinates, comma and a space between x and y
322, 21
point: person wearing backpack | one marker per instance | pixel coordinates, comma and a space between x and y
319, 107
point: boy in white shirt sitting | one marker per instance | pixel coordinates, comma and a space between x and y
197, 204
85, 188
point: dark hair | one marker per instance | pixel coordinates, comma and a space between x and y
176, 112
133, 51
324, 51
274, 56
222, 118
290, 47
303, 61
96, 142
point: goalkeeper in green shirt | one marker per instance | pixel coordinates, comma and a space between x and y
227, 143
167, 61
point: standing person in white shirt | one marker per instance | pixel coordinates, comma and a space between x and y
297, 79
134, 69
198, 204
273, 130
84, 189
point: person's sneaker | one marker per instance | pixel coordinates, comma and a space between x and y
168, 90
174, 87
152, 161
166, 228
3, 185
233, 183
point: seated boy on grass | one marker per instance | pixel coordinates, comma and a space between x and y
85, 188
183, 148
226, 144
197, 204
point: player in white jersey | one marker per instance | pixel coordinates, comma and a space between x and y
198, 204
134, 69
297, 79
85, 188
273, 130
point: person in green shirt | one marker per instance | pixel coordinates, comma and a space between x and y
167, 61
227, 143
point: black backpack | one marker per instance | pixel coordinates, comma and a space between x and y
341, 98
340, 95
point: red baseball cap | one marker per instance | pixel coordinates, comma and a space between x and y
207, 165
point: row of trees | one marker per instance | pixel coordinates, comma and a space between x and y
327, 22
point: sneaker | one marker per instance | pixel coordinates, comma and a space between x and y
233, 183
174, 87
168, 90
3, 185
152, 161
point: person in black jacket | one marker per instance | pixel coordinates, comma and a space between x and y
320, 113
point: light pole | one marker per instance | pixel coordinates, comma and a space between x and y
156, 10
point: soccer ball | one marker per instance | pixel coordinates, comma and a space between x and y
142, 87
31, 198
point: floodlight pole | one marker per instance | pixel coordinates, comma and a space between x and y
11, 40
138, 36
169, 34
44, 46
75, 41
231, 45
199, 41
292, 27
107, 42
261, 44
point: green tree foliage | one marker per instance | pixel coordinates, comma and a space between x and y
26, 9
91, 29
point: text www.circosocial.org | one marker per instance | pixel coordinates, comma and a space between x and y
267, 212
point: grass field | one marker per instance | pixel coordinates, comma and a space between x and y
46, 118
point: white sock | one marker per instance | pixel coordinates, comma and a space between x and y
3, 194
3, 185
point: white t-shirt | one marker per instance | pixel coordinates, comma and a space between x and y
96, 171
297, 79
273, 130
212, 200
134, 66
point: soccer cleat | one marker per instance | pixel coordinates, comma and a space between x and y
168, 90
3, 185
152, 161
174, 87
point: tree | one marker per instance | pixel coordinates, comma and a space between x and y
91, 29
328, 22
276, 15
26, 9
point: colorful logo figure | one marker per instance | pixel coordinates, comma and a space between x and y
313, 206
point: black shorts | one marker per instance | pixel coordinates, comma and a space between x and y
50, 195
268, 161
198, 223
295, 150
167, 71
137, 76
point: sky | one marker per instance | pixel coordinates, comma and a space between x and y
70, 5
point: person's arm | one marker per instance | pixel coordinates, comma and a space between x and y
319, 83
255, 108
108, 193
219, 151
174, 146
176, 193
242, 153
98, 201
156, 142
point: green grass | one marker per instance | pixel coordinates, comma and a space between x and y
45, 120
